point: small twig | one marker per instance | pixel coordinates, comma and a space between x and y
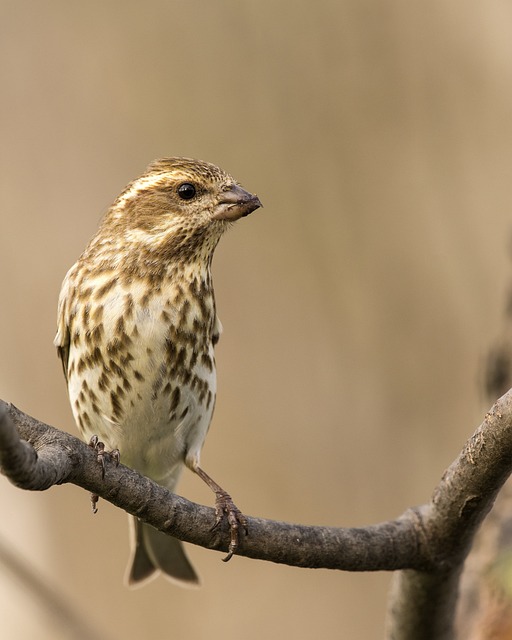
75, 625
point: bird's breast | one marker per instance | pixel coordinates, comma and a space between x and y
141, 372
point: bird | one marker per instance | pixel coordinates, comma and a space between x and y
136, 331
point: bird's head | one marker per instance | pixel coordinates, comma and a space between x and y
178, 208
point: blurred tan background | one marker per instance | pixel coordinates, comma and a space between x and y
357, 306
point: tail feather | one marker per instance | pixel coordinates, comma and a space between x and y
154, 551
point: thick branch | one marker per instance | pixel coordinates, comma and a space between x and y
422, 603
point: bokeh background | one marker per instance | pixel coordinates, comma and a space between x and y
357, 306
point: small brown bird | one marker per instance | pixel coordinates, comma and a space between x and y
137, 326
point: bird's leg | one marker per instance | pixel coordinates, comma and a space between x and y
224, 506
113, 455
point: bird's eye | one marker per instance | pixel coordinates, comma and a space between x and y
186, 191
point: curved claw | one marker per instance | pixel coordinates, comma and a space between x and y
225, 507
94, 502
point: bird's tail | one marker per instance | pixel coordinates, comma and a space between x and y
154, 551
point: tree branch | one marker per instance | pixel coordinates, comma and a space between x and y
46, 456
422, 604
429, 543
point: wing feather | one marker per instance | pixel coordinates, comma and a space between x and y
62, 339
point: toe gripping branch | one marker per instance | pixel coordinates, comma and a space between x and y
225, 508
102, 456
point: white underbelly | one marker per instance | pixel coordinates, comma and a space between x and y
151, 437
135, 397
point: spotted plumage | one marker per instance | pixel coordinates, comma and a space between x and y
137, 326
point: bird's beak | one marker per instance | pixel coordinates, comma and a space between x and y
235, 203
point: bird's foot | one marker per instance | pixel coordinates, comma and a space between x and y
226, 508
102, 455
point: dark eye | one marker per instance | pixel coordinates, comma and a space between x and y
186, 191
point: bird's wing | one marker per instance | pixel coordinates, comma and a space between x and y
62, 339
217, 330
